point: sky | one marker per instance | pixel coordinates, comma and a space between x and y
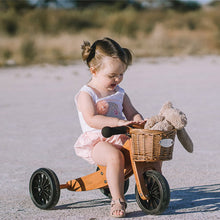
201, 1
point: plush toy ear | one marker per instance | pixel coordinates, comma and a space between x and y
185, 140
169, 104
173, 115
165, 107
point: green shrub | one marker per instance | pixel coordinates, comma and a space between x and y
185, 6
74, 22
122, 27
28, 50
124, 23
149, 27
191, 24
57, 21
148, 19
215, 17
41, 20
194, 20
16, 5
9, 23
217, 40
7, 54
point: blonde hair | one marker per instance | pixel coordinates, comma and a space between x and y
94, 54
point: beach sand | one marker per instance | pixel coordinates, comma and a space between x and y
39, 125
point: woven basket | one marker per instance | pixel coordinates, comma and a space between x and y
146, 145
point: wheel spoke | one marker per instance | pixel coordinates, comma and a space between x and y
155, 195
35, 185
155, 204
151, 204
35, 182
46, 196
155, 189
157, 199
44, 180
153, 184
41, 178
43, 200
38, 178
46, 184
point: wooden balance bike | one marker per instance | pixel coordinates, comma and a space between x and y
144, 152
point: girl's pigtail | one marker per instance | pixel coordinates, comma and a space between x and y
128, 56
86, 49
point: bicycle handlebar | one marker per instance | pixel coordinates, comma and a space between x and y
109, 131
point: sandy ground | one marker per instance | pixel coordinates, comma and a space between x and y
39, 125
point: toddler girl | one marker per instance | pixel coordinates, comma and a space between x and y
102, 102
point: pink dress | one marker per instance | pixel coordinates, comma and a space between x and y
110, 106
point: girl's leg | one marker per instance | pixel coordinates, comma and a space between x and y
107, 155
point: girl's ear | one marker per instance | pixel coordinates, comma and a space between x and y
92, 70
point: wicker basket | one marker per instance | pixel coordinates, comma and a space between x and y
146, 145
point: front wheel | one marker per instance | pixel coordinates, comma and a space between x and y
44, 188
159, 192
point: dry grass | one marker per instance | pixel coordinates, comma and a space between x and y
58, 34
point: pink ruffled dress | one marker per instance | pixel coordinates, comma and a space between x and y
110, 106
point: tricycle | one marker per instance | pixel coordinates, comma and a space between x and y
144, 152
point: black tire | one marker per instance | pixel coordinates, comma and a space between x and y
106, 190
107, 193
159, 192
44, 188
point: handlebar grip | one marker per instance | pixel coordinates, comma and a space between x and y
109, 131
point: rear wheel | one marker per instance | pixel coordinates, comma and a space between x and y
44, 188
159, 193
107, 192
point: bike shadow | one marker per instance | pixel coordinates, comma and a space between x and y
194, 199
84, 204
184, 200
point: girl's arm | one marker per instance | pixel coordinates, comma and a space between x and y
130, 112
86, 105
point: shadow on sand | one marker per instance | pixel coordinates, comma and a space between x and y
84, 204
194, 199
183, 200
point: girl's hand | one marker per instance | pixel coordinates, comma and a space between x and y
141, 122
138, 124
124, 123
